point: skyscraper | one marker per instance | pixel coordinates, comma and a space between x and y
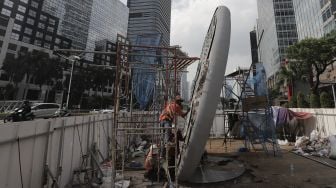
74, 18
88, 21
308, 18
328, 9
149, 17
276, 30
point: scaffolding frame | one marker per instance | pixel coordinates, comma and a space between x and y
249, 102
127, 126
144, 122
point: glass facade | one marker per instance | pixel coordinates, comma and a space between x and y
308, 18
276, 30
32, 25
74, 18
149, 17
328, 17
108, 19
88, 21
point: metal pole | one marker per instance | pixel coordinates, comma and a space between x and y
333, 89
72, 67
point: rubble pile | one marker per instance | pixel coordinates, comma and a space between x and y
314, 145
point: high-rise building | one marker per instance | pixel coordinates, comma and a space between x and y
88, 21
328, 9
108, 19
276, 30
24, 26
74, 18
149, 17
46, 25
308, 19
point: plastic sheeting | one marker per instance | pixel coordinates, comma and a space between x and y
284, 115
144, 80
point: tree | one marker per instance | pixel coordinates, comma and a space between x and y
293, 102
301, 101
314, 55
36, 65
326, 100
314, 101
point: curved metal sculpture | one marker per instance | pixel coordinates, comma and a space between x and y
206, 92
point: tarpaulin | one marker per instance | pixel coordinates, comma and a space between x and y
284, 115
300, 115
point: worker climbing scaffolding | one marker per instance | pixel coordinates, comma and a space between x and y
169, 115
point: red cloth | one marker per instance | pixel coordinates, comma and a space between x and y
300, 115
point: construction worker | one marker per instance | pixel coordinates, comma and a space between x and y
152, 165
168, 117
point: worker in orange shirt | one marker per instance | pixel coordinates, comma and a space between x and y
169, 115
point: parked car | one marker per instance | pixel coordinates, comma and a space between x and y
45, 110
106, 111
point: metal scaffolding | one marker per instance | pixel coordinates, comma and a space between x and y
130, 126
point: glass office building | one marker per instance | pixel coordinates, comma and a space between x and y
88, 21
308, 19
328, 9
149, 17
74, 18
276, 30
108, 19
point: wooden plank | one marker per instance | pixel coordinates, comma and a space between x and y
257, 102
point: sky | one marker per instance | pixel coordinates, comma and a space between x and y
190, 21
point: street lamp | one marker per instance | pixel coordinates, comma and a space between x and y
73, 59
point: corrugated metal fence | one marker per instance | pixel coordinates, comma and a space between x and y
33, 152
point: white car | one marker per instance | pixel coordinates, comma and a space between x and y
45, 110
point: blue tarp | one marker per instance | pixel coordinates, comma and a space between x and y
144, 79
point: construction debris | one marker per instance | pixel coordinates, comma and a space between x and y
315, 145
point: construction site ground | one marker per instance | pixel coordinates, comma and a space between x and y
262, 171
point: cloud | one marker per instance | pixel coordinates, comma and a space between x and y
191, 19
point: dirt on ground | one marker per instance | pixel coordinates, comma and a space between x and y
262, 170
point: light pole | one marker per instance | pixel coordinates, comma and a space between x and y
73, 59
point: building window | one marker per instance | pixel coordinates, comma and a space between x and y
2, 32
57, 40
12, 46
25, 39
38, 43
30, 21
17, 27
28, 31
6, 12
8, 3
48, 37
41, 25
39, 34
52, 21
24, 1
21, 9
32, 13
43, 18
46, 45
50, 29
34, 4
19, 17
15, 36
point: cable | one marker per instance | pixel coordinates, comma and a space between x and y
18, 141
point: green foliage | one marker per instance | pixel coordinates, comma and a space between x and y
36, 65
293, 102
326, 100
301, 101
314, 101
312, 55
